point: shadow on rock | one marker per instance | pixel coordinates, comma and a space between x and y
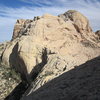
17, 93
81, 83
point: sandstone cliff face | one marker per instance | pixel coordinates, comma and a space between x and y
48, 46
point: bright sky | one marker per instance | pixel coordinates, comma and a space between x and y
11, 10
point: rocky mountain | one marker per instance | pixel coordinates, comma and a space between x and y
46, 47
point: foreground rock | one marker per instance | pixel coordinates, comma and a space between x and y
81, 83
48, 46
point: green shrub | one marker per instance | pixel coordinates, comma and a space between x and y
9, 73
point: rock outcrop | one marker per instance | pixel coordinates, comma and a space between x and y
2, 47
48, 46
18, 29
98, 34
81, 83
79, 20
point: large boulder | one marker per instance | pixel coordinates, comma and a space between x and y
7, 52
80, 21
49, 44
29, 55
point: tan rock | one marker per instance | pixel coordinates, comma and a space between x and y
2, 48
80, 21
98, 34
29, 55
17, 28
80, 83
7, 53
50, 44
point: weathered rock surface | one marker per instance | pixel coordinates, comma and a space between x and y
8, 77
48, 46
98, 34
81, 83
2, 47
18, 28
80, 21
